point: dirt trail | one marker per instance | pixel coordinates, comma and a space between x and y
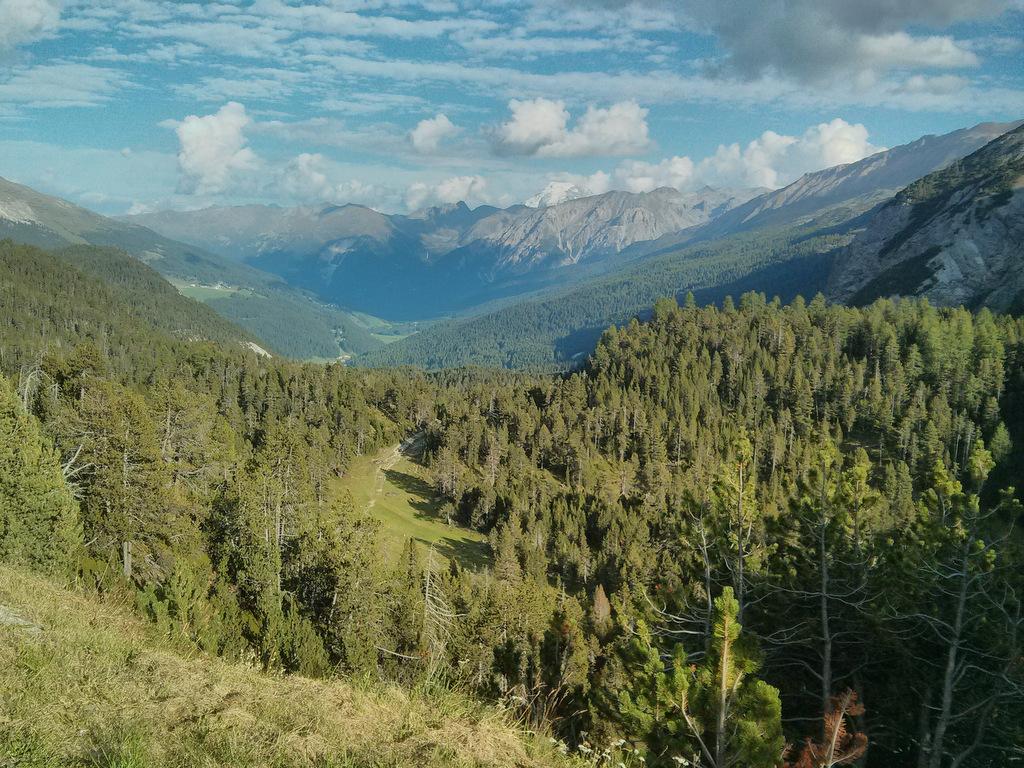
389, 458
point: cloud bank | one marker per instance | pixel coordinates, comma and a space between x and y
772, 160
25, 21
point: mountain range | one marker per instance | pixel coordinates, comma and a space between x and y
453, 260
441, 260
783, 243
534, 284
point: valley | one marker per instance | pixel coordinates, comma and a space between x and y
516, 287
490, 384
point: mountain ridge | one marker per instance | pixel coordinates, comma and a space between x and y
877, 175
954, 236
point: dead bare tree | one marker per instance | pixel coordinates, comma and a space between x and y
838, 745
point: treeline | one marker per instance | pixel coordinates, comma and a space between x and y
733, 529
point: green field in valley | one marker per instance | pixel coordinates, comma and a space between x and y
206, 292
394, 488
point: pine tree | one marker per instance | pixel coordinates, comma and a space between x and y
39, 523
716, 709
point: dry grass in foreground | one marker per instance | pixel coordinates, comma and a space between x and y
90, 685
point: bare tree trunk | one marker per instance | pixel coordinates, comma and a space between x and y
949, 677
723, 701
126, 558
826, 630
924, 735
741, 549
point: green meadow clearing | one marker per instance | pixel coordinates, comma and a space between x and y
394, 488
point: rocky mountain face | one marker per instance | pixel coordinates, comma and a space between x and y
955, 236
605, 224
351, 253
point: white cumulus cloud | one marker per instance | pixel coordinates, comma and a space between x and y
213, 149
639, 176
25, 21
771, 160
541, 127
308, 178
305, 177
428, 134
471, 189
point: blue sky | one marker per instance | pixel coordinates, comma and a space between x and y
125, 105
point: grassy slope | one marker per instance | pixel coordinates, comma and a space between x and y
395, 490
94, 687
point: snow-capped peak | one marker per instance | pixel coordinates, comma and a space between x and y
557, 192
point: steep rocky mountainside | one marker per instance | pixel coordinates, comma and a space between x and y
604, 224
955, 236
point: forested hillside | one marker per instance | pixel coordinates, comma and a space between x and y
287, 320
735, 528
842, 471
53, 299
